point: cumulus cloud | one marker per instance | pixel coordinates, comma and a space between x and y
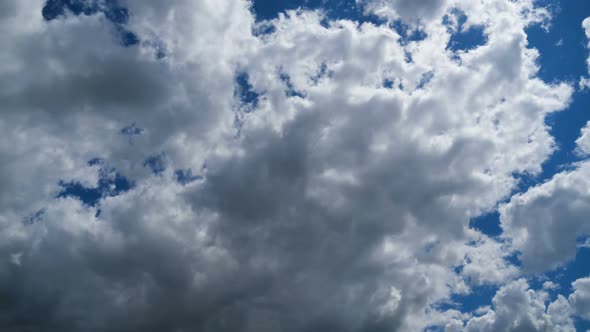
516, 307
583, 142
422, 14
580, 298
339, 200
584, 81
410, 11
545, 222
586, 26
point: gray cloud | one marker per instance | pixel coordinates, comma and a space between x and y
344, 208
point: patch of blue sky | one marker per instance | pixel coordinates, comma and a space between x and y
112, 10
110, 183
333, 9
388, 84
290, 90
463, 38
245, 92
156, 163
407, 33
185, 176
488, 224
480, 296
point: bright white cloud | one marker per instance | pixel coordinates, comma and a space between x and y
486, 262
518, 308
586, 26
545, 222
408, 10
584, 81
583, 142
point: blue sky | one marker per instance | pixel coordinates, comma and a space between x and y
302, 165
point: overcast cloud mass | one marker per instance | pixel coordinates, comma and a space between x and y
186, 165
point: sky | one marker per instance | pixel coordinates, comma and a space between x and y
303, 165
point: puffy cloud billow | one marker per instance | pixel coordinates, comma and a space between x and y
584, 81
182, 166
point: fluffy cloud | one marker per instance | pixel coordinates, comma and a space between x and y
545, 222
518, 308
486, 261
339, 200
586, 26
583, 142
429, 12
410, 11
584, 81
580, 298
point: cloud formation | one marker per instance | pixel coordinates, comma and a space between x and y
339, 200
580, 298
583, 142
584, 81
518, 308
545, 222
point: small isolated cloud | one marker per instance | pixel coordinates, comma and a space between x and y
584, 81
583, 142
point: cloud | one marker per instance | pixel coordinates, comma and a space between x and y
580, 298
554, 211
518, 308
584, 81
486, 262
422, 14
342, 207
407, 10
545, 222
583, 142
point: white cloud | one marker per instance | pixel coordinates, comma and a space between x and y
426, 13
584, 81
583, 142
518, 308
586, 26
580, 298
486, 262
408, 10
346, 208
545, 222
